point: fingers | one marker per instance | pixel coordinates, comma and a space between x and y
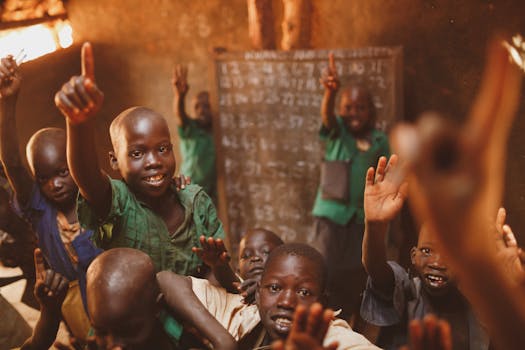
380, 171
508, 236
40, 268
300, 320
79, 99
331, 63
370, 173
88, 62
278, 345
500, 219
445, 335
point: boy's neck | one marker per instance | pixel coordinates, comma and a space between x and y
452, 300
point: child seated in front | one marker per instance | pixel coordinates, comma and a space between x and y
294, 275
393, 296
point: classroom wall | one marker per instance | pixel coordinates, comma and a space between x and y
137, 42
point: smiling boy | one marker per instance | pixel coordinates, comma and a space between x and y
143, 210
294, 275
393, 297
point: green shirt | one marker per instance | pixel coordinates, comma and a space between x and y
133, 224
341, 145
198, 155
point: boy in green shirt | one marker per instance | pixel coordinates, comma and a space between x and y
350, 137
196, 138
143, 211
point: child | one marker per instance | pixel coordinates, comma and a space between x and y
254, 248
122, 298
196, 138
47, 195
352, 145
294, 275
456, 181
392, 297
144, 210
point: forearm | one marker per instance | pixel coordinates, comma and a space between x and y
327, 109
226, 277
14, 167
82, 158
179, 297
374, 255
45, 331
179, 110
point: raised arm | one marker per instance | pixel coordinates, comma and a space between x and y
456, 184
180, 89
331, 86
213, 253
384, 195
17, 173
79, 100
50, 290
181, 300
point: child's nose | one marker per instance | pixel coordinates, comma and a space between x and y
152, 160
287, 299
56, 182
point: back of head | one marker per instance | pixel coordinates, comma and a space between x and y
119, 280
300, 250
128, 117
42, 140
270, 236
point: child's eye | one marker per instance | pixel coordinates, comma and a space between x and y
64, 172
135, 154
274, 288
304, 292
426, 251
165, 148
42, 179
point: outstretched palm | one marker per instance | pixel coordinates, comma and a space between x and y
385, 191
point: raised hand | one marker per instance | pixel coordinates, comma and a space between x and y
308, 330
385, 191
50, 287
329, 77
181, 181
80, 99
213, 252
429, 334
9, 77
247, 289
510, 256
180, 80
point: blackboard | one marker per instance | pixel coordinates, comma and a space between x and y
268, 122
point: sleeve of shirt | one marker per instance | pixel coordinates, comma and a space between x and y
210, 225
341, 332
103, 227
325, 134
219, 303
380, 309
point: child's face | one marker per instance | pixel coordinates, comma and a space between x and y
355, 110
202, 110
254, 250
52, 175
433, 272
145, 157
288, 281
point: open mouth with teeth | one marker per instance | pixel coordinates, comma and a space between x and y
154, 180
436, 281
282, 323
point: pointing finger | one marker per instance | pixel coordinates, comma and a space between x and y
88, 63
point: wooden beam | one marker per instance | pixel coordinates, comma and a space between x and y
297, 24
261, 24
30, 22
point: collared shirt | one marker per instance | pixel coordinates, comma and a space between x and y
240, 319
131, 223
407, 302
198, 155
341, 145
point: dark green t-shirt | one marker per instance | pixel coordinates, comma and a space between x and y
198, 155
341, 145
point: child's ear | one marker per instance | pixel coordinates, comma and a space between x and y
413, 252
113, 160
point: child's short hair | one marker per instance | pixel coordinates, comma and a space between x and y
45, 136
269, 233
301, 250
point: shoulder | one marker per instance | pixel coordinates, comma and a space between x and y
189, 194
340, 331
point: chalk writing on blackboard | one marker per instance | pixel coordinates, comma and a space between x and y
269, 103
